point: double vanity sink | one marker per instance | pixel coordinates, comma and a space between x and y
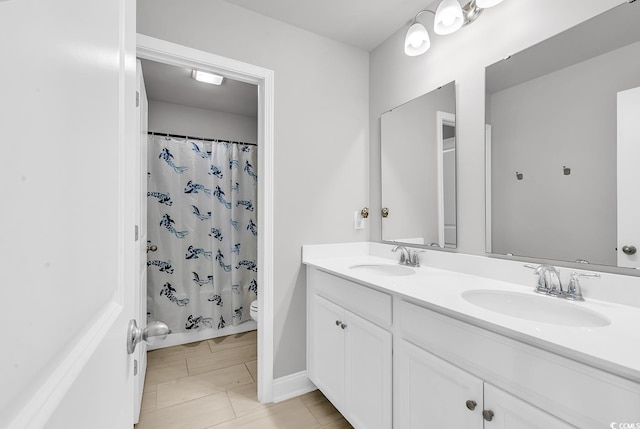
527, 306
486, 350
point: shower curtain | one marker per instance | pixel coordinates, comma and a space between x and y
202, 215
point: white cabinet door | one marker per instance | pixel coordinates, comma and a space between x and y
432, 393
367, 374
327, 349
510, 412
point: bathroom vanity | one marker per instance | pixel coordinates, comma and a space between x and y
404, 347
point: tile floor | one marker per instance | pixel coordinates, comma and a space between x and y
212, 385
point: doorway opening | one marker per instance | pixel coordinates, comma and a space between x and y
156, 52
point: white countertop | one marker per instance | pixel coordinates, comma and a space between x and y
614, 348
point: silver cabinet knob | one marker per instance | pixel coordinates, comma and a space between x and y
487, 415
153, 329
151, 248
471, 405
629, 250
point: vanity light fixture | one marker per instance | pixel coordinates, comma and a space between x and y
449, 17
206, 77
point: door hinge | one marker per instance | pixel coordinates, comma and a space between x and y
135, 367
137, 233
137, 99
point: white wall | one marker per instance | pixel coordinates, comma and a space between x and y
396, 78
321, 137
192, 121
565, 118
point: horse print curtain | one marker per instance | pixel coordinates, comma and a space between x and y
202, 215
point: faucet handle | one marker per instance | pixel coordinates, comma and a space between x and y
574, 291
415, 261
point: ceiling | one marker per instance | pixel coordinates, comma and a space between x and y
173, 84
361, 23
364, 24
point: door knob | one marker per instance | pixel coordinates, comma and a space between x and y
151, 248
487, 415
153, 329
629, 250
471, 405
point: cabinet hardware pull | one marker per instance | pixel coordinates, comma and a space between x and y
343, 326
338, 323
471, 405
487, 415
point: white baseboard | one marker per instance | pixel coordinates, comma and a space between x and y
292, 385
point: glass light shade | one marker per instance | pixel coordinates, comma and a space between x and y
483, 4
417, 40
449, 17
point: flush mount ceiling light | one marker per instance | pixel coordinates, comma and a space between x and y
205, 77
449, 17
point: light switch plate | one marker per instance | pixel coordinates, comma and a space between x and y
358, 221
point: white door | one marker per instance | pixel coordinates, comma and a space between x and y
367, 373
326, 349
505, 411
140, 299
67, 247
432, 393
628, 178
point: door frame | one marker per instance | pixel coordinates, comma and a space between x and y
442, 119
170, 53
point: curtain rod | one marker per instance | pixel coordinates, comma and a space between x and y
153, 133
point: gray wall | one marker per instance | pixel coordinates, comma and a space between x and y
566, 118
409, 165
321, 137
462, 56
192, 121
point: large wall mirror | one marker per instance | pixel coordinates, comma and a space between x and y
418, 153
563, 145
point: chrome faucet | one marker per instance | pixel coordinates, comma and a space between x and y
549, 283
406, 257
548, 280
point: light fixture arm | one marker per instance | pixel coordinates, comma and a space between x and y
420, 13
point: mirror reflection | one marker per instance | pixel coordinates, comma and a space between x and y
555, 117
418, 153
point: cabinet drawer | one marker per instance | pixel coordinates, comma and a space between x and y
366, 302
584, 396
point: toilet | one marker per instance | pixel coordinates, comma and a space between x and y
253, 312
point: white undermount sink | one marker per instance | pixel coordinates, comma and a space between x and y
384, 269
544, 309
